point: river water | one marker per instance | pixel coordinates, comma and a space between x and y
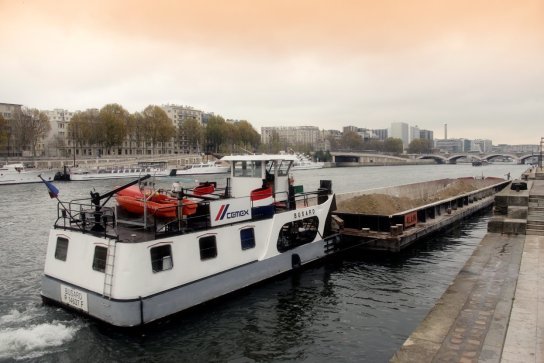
356, 308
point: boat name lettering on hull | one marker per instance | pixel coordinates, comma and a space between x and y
73, 297
304, 213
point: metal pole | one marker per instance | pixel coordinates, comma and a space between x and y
74, 147
540, 156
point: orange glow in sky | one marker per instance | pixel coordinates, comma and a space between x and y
476, 65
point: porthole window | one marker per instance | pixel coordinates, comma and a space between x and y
99, 259
161, 258
247, 238
208, 247
61, 250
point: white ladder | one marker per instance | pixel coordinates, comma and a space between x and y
108, 271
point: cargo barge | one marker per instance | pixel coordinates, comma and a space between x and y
393, 218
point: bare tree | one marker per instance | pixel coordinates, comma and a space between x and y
29, 126
4, 133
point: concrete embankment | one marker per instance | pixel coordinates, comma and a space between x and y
105, 161
494, 309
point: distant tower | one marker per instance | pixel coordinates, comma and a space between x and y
445, 131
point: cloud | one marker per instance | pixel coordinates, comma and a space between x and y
478, 65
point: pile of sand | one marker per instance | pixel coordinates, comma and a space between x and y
382, 204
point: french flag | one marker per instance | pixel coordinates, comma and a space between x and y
53, 191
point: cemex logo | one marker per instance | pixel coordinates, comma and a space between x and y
223, 212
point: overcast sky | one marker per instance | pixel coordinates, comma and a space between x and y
477, 65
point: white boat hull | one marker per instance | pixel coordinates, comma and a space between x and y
139, 311
94, 176
307, 167
202, 172
24, 177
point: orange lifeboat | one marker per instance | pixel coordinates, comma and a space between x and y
159, 205
136, 206
204, 188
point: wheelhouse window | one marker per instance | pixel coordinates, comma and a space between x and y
61, 250
208, 247
161, 258
247, 238
99, 259
283, 168
248, 169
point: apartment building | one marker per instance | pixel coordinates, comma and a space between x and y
292, 135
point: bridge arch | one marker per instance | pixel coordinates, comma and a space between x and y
438, 158
492, 156
523, 158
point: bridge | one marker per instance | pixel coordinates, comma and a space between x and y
368, 158
452, 158
352, 158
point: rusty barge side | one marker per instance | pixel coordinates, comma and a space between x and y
396, 231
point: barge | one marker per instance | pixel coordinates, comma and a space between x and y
393, 218
131, 270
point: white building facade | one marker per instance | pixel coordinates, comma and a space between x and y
292, 135
400, 130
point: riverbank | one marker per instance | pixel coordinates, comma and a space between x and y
492, 312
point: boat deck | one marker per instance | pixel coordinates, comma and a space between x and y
114, 223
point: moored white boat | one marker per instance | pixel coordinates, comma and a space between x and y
119, 172
304, 162
127, 273
19, 174
210, 167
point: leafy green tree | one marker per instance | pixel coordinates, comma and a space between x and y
231, 138
420, 146
159, 128
130, 124
192, 131
138, 129
248, 136
215, 133
393, 145
112, 125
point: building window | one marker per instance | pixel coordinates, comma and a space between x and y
61, 250
161, 258
247, 238
99, 260
208, 247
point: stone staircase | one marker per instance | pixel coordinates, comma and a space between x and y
535, 215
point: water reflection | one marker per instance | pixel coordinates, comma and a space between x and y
358, 307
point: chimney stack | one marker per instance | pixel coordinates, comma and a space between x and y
446, 131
